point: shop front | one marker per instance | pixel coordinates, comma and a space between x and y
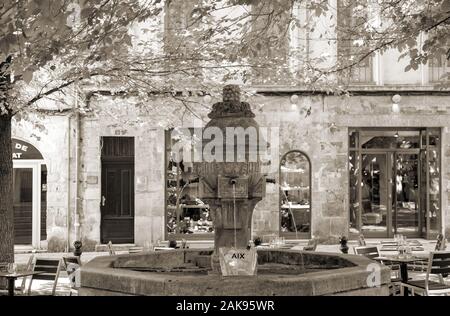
395, 182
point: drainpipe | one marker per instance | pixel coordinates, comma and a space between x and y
77, 158
67, 248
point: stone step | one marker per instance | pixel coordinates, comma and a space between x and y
27, 249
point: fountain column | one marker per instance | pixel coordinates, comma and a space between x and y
232, 182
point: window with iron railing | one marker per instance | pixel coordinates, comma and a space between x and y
439, 69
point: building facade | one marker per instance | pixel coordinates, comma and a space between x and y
375, 161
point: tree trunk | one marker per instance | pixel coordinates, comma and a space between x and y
6, 198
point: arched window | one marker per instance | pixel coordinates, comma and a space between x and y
295, 195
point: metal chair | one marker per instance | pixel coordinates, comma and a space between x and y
372, 252
367, 251
421, 265
439, 265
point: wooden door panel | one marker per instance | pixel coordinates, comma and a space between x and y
118, 210
126, 181
118, 230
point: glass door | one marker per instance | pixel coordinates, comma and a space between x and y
29, 202
430, 179
375, 210
405, 202
23, 205
395, 182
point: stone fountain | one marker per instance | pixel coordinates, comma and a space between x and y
232, 184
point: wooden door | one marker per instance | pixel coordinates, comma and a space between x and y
117, 199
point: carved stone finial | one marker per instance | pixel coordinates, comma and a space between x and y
231, 93
231, 106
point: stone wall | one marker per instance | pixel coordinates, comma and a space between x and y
322, 135
50, 136
149, 180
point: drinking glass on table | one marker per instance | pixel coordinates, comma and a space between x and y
396, 238
12, 268
408, 250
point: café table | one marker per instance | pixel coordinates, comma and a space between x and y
415, 246
12, 277
403, 263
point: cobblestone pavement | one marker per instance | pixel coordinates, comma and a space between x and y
63, 287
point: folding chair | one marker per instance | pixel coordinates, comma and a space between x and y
50, 268
73, 265
438, 265
21, 289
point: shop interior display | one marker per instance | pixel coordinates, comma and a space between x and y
186, 213
295, 193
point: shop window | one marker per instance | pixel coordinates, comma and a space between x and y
295, 195
187, 216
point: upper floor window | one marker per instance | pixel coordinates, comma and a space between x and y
439, 69
357, 67
181, 43
267, 41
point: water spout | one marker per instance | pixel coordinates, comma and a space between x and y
233, 182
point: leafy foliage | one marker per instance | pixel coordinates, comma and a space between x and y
138, 46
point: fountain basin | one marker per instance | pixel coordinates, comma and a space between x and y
188, 273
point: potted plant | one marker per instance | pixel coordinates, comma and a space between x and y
257, 241
77, 245
343, 241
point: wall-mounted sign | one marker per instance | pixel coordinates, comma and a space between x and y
24, 151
